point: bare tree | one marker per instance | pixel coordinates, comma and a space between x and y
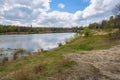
116, 12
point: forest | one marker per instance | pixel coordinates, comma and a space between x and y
4, 29
112, 22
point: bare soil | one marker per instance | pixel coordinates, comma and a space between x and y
97, 64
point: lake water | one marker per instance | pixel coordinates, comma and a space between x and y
31, 42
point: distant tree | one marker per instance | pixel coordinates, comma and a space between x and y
94, 26
116, 12
111, 19
1, 29
110, 23
103, 23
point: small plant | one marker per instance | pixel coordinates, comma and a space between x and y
5, 59
38, 50
15, 56
67, 41
59, 44
114, 36
42, 50
110, 35
1, 54
38, 68
18, 51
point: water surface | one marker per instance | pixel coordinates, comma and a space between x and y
31, 42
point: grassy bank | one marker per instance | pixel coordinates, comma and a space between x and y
52, 65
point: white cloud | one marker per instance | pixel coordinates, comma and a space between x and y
55, 18
23, 11
99, 7
61, 5
36, 12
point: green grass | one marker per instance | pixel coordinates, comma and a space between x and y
47, 64
86, 44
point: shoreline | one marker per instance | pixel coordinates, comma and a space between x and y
89, 53
25, 33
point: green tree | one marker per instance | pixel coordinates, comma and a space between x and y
116, 12
1, 29
110, 23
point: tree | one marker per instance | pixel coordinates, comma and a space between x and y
103, 23
110, 24
116, 12
1, 29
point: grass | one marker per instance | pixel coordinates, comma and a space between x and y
18, 51
21, 75
45, 65
38, 68
86, 44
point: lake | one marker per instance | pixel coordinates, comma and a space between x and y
31, 42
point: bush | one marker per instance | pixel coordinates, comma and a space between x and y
15, 56
87, 32
42, 50
38, 68
5, 59
114, 36
60, 44
18, 51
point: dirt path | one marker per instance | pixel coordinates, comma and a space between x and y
106, 61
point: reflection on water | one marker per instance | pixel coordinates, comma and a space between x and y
31, 42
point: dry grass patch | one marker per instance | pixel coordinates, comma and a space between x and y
21, 75
38, 68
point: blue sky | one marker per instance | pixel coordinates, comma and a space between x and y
70, 5
55, 13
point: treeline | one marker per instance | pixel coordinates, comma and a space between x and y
113, 22
112, 26
24, 29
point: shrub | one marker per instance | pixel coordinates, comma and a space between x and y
4, 60
38, 68
87, 32
59, 44
18, 51
42, 50
15, 56
38, 50
114, 36
67, 41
